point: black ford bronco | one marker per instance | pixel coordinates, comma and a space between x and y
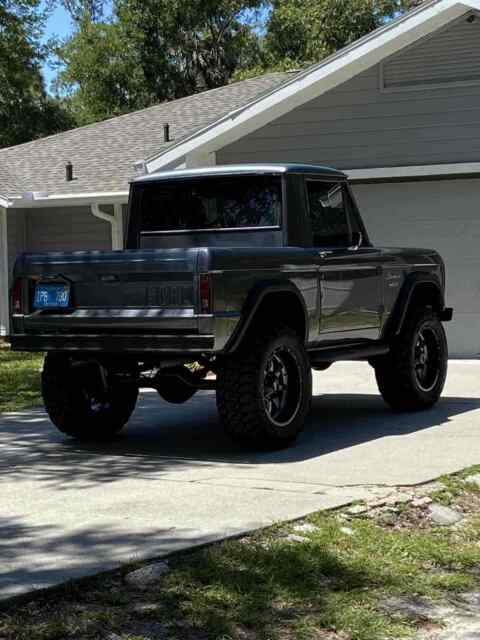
239, 279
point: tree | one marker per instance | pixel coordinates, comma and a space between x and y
154, 50
81, 9
185, 47
100, 76
26, 112
301, 32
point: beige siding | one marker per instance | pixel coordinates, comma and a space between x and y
58, 229
358, 126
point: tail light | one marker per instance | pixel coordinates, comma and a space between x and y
17, 297
206, 293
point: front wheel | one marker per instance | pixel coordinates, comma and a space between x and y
412, 376
264, 391
83, 404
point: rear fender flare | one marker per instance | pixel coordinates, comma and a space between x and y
252, 304
404, 302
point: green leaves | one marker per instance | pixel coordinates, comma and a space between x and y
154, 50
302, 32
26, 111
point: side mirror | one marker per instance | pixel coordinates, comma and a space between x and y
357, 239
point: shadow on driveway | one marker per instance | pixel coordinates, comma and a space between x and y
72, 509
162, 438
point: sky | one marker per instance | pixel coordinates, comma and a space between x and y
59, 24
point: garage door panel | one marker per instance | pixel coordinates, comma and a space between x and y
443, 215
463, 335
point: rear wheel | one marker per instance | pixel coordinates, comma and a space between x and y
81, 402
264, 391
413, 375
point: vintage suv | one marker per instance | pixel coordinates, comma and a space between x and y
239, 279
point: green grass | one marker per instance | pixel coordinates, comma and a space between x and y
19, 380
267, 588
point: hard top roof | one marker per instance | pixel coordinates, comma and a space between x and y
243, 169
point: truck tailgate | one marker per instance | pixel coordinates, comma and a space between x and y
142, 290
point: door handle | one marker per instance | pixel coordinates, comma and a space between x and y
324, 254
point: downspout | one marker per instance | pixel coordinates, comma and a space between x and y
115, 221
4, 284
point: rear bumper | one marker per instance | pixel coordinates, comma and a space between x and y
166, 344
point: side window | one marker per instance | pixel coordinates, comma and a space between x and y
328, 214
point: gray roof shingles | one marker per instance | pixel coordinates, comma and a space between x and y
103, 154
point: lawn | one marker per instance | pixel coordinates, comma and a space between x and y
19, 380
329, 583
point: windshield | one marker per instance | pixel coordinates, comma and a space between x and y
211, 203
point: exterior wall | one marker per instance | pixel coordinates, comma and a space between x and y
16, 237
356, 125
59, 229
452, 55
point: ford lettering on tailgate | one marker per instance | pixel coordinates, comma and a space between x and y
170, 295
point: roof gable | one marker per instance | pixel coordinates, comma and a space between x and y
449, 56
317, 80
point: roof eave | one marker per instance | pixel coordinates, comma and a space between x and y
317, 80
33, 201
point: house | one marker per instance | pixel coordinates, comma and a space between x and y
398, 110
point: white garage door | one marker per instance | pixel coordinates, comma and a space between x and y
444, 215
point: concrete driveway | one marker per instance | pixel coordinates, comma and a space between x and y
173, 480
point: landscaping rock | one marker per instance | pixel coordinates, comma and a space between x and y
387, 518
347, 531
143, 608
293, 538
412, 607
145, 576
399, 497
444, 516
471, 599
421, 501
357, 510
305, 528
475, 479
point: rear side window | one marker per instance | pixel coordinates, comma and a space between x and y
328, 214
204, 204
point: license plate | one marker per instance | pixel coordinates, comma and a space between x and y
51, 296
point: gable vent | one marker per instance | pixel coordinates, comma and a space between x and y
450, 56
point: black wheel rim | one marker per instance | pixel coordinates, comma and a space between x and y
427, 359
281, 388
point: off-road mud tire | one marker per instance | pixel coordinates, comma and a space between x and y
397, 375
241, 389
67, 404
